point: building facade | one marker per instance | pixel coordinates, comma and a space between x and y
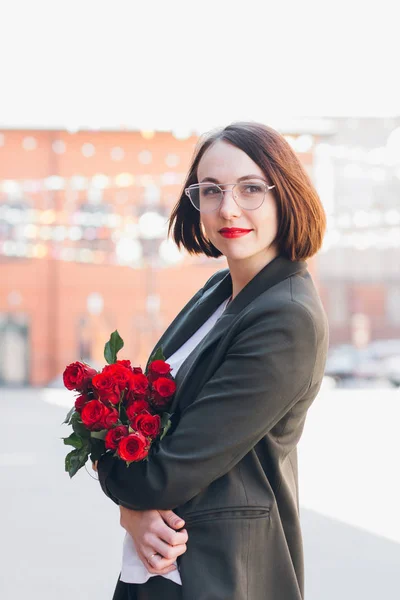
358, 172
83, 245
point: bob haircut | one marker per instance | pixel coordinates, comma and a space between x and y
301, 216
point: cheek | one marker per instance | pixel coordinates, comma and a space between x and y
266, 229
270, 219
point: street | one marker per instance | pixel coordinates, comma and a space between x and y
61, 538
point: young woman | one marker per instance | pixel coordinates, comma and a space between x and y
248, 353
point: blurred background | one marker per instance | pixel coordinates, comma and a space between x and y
84, 248
101, 106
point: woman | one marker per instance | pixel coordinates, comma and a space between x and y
251, 347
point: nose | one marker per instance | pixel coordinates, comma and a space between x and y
228, 207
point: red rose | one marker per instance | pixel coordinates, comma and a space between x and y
80, 402
92, 415
133, 447
163, 389
138, 384
107, 387
77, 376
149, 425
136, 408
114, 436
137, 370
119, 373
110, 417
158, 368
131, 397
124, 363
164, 386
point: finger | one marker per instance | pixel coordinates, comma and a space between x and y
172, 519
156, 563
146, 560
163, 571
166, 554
170, 536
157, 571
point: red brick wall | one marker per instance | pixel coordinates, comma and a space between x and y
54, 296
53, 292
368, 299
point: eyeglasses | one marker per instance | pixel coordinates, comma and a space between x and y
207, 197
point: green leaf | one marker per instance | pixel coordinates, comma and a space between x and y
76, 459
167, 426
123, 417
69, 460
99, 435
74, 440
112, 347
69, 415
158, 355
79, 427
165, 418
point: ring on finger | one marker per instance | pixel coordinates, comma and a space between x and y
150, 557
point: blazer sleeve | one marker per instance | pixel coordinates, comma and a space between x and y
268, 367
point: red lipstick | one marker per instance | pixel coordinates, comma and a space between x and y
233, 232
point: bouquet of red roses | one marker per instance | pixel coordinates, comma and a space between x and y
119, 410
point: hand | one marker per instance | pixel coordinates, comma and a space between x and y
154, 531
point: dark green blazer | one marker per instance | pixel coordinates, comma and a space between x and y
228, 466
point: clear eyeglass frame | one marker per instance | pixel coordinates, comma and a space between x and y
199, 185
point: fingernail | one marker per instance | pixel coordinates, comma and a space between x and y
179, 523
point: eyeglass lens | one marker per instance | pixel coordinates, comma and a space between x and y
207, 197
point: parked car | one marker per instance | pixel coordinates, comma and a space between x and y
346, 361
391, 368
380, 359
382, 349
340, 361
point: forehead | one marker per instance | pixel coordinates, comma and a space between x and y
226, 163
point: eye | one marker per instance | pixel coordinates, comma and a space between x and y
210, 190
252, 188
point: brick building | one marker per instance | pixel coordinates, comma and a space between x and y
79, 254
359, 269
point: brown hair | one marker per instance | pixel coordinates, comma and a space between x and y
301, 216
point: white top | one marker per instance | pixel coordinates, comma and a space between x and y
133, 570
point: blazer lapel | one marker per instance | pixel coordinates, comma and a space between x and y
184, 327
178, 333
198, 314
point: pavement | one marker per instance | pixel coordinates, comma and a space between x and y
61, 538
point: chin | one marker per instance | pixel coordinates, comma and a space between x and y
238, 255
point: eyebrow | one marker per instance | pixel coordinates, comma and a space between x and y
213, 180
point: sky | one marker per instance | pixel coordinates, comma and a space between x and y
183, 64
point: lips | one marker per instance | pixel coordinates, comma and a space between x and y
234, 230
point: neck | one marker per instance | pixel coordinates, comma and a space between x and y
243, 271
